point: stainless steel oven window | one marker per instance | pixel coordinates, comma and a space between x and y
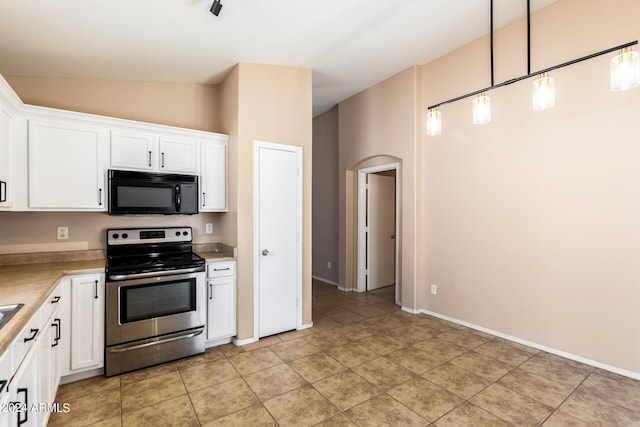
148, 301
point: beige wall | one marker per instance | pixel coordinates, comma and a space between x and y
191, 106
531, 222
28, 231
194, 106
273, 104
381, 121
325, 196
528, 225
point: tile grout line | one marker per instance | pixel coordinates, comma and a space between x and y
567, 398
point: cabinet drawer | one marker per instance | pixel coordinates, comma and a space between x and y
47, 308
221, 269
25, 339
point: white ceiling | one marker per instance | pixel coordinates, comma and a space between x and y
349, 44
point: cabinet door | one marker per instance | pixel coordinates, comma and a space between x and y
6, 155
221, 307
66, 169
49, 356
87, 317
24, 390
133, 150
213, 173
45, 355
178, 155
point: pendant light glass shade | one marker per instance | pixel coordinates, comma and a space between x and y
625, 70
434, 122
481, 109
543, 94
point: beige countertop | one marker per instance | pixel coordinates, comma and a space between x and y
31, 284
210, 256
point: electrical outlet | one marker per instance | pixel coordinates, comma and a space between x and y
329, 265
63, 233
434, 289
208, 228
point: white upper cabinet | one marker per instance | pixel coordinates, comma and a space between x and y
146, 151
133, 150
178, 155
56, 160
213, 177
66, 165
6, 156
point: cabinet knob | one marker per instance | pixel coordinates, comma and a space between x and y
265, 252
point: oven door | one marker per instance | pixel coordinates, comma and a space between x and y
149, 307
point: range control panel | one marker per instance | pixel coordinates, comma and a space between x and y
134, 236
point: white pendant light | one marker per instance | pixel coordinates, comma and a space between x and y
481, 109
434, 122
543, 92
625, 70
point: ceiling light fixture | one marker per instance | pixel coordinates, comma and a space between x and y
625, 70
625, 74
216, 7
434, 122
481, 109
543, 93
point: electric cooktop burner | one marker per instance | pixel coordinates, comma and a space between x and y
145, 250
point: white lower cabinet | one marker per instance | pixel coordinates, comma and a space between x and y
221, 301
49, 352
24, 391
33, 358
83, 323
65, 336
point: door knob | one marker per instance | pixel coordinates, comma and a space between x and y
265, 252
393, 236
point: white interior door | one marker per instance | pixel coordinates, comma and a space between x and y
278, 247
381, 221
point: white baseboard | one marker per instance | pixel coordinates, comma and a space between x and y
325, 280
217, 342
71, 378
244, 341
594, 363
410, 310
306, 326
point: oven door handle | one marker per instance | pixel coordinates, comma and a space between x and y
154, 341
154, 273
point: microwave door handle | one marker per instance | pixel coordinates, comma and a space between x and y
178, 198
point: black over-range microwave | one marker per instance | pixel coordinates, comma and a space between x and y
146, 193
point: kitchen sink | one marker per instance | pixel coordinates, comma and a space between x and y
7, 311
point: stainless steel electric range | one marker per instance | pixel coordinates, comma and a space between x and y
155, 298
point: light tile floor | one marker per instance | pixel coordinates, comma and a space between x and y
365, 362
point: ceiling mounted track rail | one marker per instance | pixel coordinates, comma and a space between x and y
529, 73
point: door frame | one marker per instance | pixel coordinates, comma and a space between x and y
257, 145
361, 270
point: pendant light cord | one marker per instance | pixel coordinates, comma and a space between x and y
491, 41
528, 36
